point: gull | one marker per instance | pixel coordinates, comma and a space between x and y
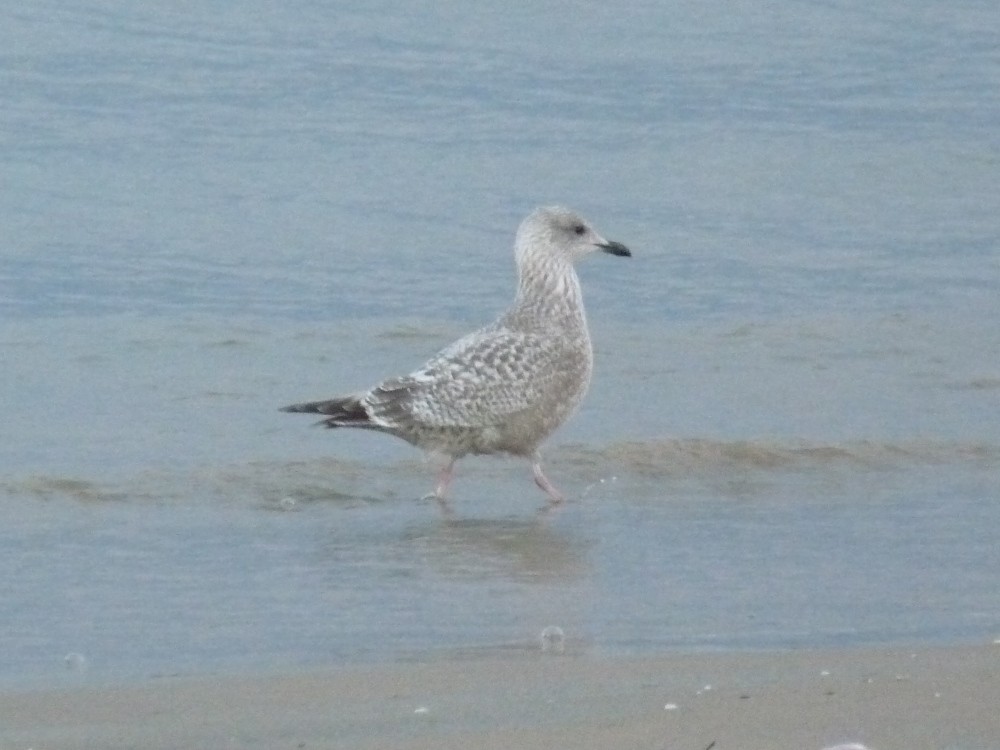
505, 388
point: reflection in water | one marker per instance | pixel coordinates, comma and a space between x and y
397, 578
524, 550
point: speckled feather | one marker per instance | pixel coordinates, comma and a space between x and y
506, 387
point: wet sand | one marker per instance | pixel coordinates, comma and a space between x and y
942, 697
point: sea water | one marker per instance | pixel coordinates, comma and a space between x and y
212, 210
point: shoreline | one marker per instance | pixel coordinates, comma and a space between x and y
881, 697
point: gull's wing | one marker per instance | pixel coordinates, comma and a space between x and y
479, 381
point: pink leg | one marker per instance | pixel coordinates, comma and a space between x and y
444, 481
555, 496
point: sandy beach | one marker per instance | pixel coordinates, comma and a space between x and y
885, 699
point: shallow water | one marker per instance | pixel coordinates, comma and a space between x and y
791, 438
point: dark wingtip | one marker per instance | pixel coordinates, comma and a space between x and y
616, 248
309, 408
342, 412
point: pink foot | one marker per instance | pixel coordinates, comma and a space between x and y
555, 496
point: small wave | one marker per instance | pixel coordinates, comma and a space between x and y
290, 484
77, 489
679, 456
419, 331
983, 384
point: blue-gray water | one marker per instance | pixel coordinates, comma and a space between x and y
213, 209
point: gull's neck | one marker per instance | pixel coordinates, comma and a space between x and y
548, 288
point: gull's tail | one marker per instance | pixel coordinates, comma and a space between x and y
348, 411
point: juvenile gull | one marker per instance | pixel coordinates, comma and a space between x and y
506, 387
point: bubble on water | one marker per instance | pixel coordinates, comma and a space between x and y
75, 662
553, 639
288, 503
600, 481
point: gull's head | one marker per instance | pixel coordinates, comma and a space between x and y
554, 232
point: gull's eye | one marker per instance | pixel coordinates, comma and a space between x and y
580, 229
